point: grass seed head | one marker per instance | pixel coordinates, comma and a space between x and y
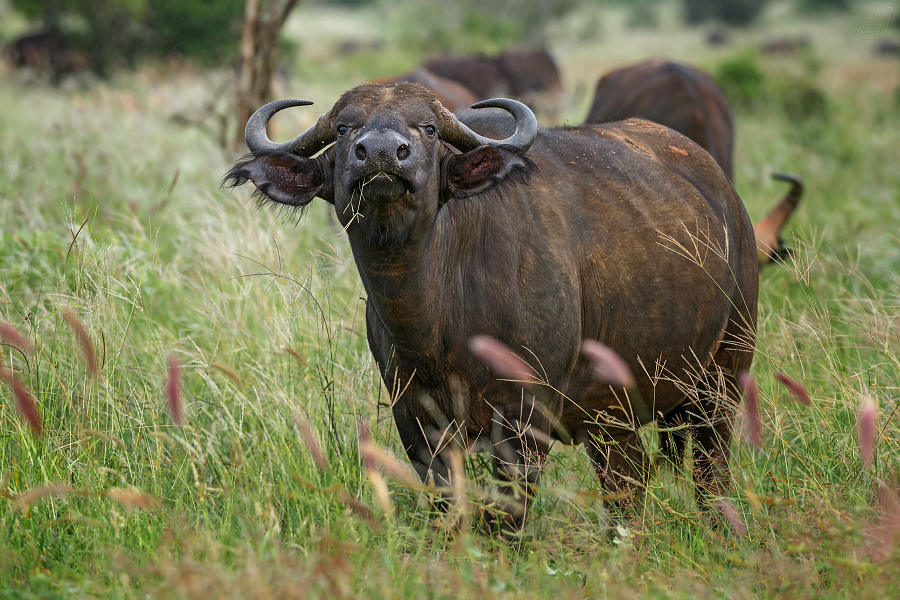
498, 357
173, 390
866, 430
11, 335
727, 509
796, 390
751, 408
609, 367
309, 438
24, 401
84, 340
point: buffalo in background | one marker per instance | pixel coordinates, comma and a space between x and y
671, 94
47, 53
687, 100
451, 94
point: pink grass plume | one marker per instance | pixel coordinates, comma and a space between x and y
866, 430
751, 408
796, 390
84, 340
11, 335
24, 401
499, 358
173, 390
609, 367
727, 509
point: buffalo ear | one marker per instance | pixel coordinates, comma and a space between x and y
487, 167
283, 177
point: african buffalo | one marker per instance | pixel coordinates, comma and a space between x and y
450, 94
526, 75
690, 102
626, 233
671, 94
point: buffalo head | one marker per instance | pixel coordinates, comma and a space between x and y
395, 156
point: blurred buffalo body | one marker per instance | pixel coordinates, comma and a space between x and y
527, 75
47, 53
689, 101
671, 94
450, 94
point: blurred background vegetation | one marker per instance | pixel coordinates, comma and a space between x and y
117, 33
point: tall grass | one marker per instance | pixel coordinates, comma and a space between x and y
111, 214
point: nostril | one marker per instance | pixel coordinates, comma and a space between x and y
361, 152
403, 152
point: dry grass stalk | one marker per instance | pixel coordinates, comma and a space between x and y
11, 335
866, 430
496, 355
84, 340
231, 373
31, 496
368, 449
751, 408
24, 401
796, 390
173, 391
312, 444
296, 355
107, 437
132, 498
609, 367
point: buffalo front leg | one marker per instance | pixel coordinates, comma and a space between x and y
519, 452
427, 448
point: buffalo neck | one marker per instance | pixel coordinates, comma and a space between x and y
412, 286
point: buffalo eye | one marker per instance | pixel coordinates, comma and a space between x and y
430, 130
342, 129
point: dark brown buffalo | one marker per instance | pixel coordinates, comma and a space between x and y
626, 233
450, 94
526, 75
671, 94
688, 101
48, 53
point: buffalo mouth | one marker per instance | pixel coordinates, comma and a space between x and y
382, 185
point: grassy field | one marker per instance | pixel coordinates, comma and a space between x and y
111, 209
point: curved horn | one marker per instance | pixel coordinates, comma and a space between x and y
462, 137
306, 144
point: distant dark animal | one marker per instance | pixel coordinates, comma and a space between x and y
690, 102
888, 48
784, 45
450, 94
671, 94
526, 75
626, 233
47, 52
717, 37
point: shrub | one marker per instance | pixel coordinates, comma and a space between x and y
742, 79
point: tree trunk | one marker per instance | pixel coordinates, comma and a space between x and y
260, 51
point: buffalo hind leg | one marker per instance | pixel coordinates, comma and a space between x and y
710, 420
622, 467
